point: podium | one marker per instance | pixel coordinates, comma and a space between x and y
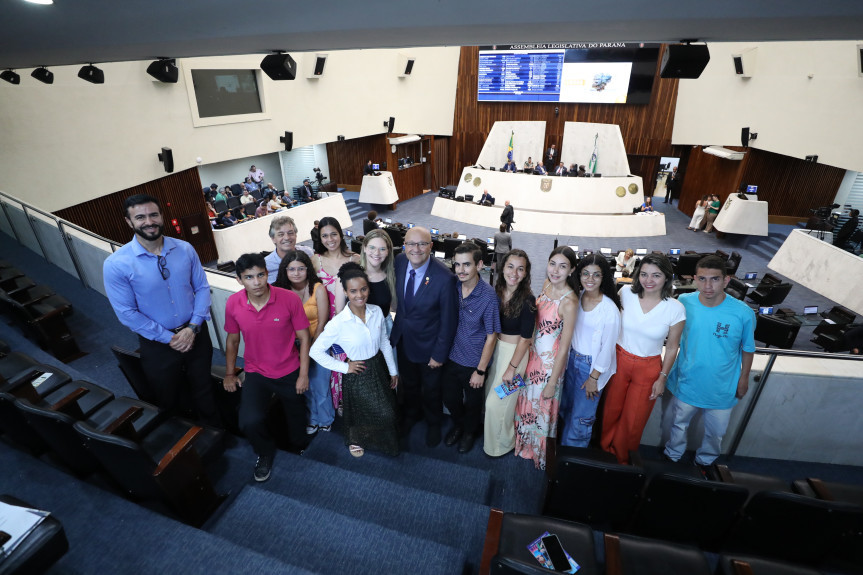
738, 216
379, 189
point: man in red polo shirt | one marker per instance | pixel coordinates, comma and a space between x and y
269, 319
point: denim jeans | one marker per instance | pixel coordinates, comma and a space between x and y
318, 398
579, 413
715, 425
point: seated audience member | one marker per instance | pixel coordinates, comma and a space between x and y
286, 199
262, 314
582, 172
647, 206
625, 262
529, 165
847, 229
306, 193
226, 191
369, 223
486, 198
211, 211
509, 166
560, 170
262, 209
229, 219
573, 170
211, 193
249, 185
540, 170
246, 198
256, 175
219, 197
283, 233
273, 203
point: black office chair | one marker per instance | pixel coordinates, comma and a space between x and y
589, 486
28, 384
751, 565
733, 263
233, 202
39, 549
776, 331
736, 288
256, 194
250, 208
220, 206
167, 464
237, 189
449, 246
770, 295
396, 235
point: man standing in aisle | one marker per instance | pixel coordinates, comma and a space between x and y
478, 325
507, 215
158, 289
257, 176
265, 315
549, 158
670, 185
424, 328
712, 370
283, 233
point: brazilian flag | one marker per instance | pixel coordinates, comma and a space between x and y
509, 152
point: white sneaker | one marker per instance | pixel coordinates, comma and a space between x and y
313, 429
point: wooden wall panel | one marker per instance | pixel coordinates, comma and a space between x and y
646, 129
180, 196
347, 159
441, 153
790, 186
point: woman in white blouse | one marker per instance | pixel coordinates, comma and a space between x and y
592, 358
370, 374
650, 318
626, 262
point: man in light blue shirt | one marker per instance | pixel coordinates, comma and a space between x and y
712, 370
158, 289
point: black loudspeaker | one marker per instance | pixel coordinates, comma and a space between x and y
390, 125
92, 74
43, 75
319, 65
164, 70
409, 67
738, 65
684, 61
279, 67
744, 137
167, 159
860, 60
288, 141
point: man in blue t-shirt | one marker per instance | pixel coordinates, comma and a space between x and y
712, 370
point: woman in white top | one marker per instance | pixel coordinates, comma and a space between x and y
626, 262
650, 318
592, 358
370, 374
698, 215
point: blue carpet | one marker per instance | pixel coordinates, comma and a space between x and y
407, 469
108, 534
446, 520
329, 542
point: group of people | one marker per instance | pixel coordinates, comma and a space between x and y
539, 169
454, 340
267, 199
706, 210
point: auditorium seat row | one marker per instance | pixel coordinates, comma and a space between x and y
150, 457
38, 312
509, 534
740, 512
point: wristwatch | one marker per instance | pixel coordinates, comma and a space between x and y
196, 328
480, 371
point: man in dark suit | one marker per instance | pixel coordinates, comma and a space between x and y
540, 170
306, 194
424, 329
549, 158
560, 170
506, 216
368, 170
670, 184
486, 197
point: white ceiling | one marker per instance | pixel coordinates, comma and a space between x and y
80, 31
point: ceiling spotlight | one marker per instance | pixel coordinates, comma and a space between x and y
44, 2
279, 66
91, 74
164, 70
43, 75
10, 77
